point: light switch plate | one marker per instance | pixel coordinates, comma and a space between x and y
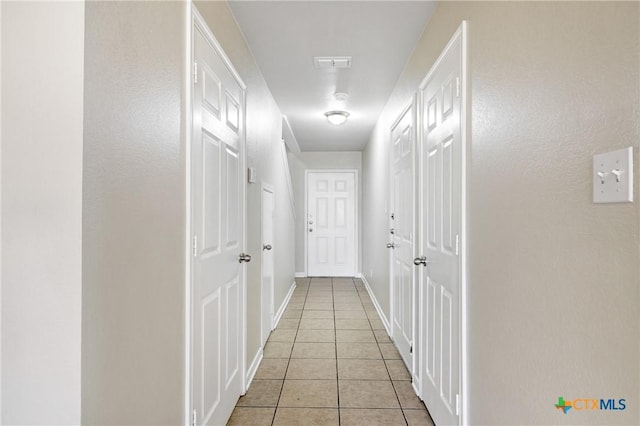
613, 177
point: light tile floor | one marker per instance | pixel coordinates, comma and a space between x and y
330, 362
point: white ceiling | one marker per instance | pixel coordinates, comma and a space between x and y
284, 37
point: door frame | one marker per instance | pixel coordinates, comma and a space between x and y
193, 19
266, 188
460, 35
413, 106
356, 213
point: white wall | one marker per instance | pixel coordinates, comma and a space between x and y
320, 160
42, 96
264, 145
133, 214
554, 286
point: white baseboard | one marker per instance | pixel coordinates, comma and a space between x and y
301, 275
253, 368
359, 275
285, 302
383, 317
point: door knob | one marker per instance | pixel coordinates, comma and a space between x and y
244, 257
266, 247
391, 245
420, 261
310, 229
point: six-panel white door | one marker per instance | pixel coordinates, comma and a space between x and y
217, 197
402, 234
331, 223
268, 254
440, 164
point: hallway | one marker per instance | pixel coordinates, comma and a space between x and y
330, 362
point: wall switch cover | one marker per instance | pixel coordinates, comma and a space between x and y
613, 177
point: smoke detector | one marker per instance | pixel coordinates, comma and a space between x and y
341, 96
332, 62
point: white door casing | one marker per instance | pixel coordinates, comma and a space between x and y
442, 164
331, 223
268, 256
217, 220
401, 222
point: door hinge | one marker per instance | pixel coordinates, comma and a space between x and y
457, 404
411, 349
457, 244
194, 245
457, 86
193, 418
195, 72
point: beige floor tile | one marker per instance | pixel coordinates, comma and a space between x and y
316, 324
261, 393
382, 336
361, 315
349, 307
376, 324
369, 417
358, 350
367, 394
309, 393
292, 313
311, 369
406, 394
317, 314
318, 306
243, 416
362, 369
397, 369
316, 336
272, 368
418, 418
389, 351
306, 417
295, 305
288, 323
278, 349
284, 335
364, 336
313, 350
352, 324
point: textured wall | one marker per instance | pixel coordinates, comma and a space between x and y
42, 60
133, 214
320, 160
553, 278
264, 145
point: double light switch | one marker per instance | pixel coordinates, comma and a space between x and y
613, 177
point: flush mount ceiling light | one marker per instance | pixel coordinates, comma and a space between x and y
336, 117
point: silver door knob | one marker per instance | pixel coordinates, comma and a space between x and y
420, 261
244, 257
266, 247
391, 245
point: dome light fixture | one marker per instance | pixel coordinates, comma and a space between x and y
336, 117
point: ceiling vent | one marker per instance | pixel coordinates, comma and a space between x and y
332, 62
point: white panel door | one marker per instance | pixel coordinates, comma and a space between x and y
217, 223
331, 223
402, 235
441, 223
267, 210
